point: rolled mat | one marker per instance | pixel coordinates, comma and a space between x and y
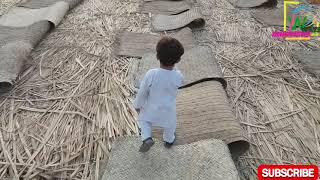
22, 17
197, 64
309, 60
191, 18
13, 56
36, 4
137, 44
15, 46
31, 34
203, 112
205, 160
165, 7
21, 29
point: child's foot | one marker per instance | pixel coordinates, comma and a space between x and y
146, 145
168, 145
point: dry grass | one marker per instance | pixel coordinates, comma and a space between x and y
74, 98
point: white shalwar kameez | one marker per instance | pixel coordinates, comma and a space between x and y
156, 100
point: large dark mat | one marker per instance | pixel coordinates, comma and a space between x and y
251, 3
191, 18
35, 4
23, 17
310, 60
15, 44
137, 44
31, 34
12, 59
197, 64
165, 7
205, 160
270, 17
203, 112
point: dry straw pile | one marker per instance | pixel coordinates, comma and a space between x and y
74, 97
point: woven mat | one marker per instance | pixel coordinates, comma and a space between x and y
21, 29
31, 34
232, 2
310, 60
254, 3
36, 4
270, 17
165, 7
13, 56
203, 112
191, 18
22, 17
15, 46
249, 3
197, 64
205, 160
137, 44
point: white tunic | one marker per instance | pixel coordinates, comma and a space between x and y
156, 97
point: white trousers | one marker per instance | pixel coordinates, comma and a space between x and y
146, 132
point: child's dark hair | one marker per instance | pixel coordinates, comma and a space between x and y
169, 51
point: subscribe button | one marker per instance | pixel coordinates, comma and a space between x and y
288, 172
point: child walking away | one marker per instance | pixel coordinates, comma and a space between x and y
156, 98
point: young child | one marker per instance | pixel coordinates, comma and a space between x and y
156, 98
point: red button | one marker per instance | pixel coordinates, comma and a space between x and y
288, 172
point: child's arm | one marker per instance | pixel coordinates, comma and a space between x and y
142, 93
181, 77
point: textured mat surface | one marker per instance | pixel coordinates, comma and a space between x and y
197, 64
205, 160
310, 60
36, 4
203, 112
165, 7
191, 18
31, 34
22, 17
270, 17
249, 3
15, 45
13, 56
21, 29
137, 44
253, 3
